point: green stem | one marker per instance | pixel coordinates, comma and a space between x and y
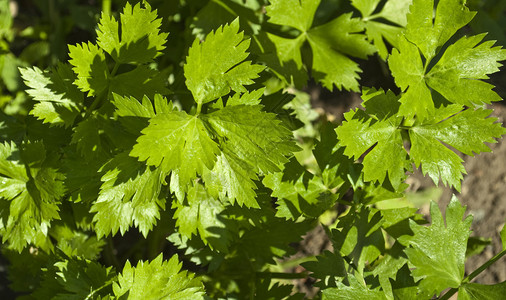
228, 9
95, 103
108, 283
109, 255
295, 262
473, 275
199, 107
280, 275
484, 266
115, 69
106, 7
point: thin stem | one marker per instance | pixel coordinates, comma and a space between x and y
95, 103
280, 275
295, 262
473, 275
108, 283
228, 9
199, 107
110, 256
106, 7
115, 69
484, 266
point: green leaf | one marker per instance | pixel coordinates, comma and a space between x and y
141, 40
389, 267
430, 33
329, 268
200, 215
300, 193
359, 237
90, 138
135, 115
157, 279
356, 290
272, 239
294, 13
283, 57
59, 101
268, 290
247, 98
232, 179
393, 11
257, 137
476, 245
377, 128
455, 74
176, 141
75, 243
409, 73
31, 190
130, 194
366, 7
396, 11
378, 33
76, 279
141, 81
476, 291
217, 65
330, 43
438, 252
91, 68
467, 131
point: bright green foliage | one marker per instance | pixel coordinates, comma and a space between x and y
257, 137
393, 11
177, 142
29, 193
294, 13
216, 66
140, 41
430, 34
232, 178
199, 214
465, 131
75, 243
330, 43
130, 194
438, 252
213, 165
157, 279
379, 128
302, 193
90, 66
455, 74
252, 141
59, 100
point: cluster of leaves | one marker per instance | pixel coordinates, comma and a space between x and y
195, 150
